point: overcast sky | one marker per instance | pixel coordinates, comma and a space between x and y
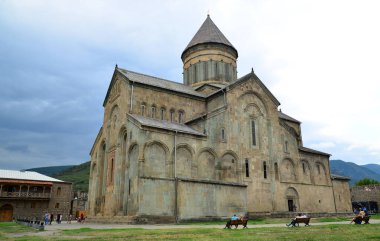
319, 58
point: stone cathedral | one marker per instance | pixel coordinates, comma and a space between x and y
205, 149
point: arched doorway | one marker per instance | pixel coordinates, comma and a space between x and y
292, 199
6, 213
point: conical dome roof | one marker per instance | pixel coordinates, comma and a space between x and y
209, 33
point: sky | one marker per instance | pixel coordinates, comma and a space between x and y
319, 58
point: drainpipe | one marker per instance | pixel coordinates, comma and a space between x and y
130, 108
332, 183
175, 179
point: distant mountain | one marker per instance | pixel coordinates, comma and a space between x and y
50, 171
354, 171
373, 167
79, 175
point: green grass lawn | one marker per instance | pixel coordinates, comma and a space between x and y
325, 232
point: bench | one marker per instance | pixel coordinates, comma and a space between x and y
236, 223
359, 220
297, 221
306, 221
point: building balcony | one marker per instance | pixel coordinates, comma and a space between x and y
24, 195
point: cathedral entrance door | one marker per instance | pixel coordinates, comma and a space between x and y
291, 205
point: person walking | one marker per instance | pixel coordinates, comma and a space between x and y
46, 218
51, 218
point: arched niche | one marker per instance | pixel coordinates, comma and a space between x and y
184, 161
156, 162
320, 174
228, 167
287, 170
306, 171
206, 162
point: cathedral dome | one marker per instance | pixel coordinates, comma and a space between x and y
209, 57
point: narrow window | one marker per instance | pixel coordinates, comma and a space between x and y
142, 110
303, 167
58, 191
286, 146
153, 112
276, 171
129, 187
111, 174
171, 115
180, 117
246, 168
319, 169
162, 114
222, 134
57, 205
195, 73
253, 132
265, 169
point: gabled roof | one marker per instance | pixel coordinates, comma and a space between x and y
26, 175
158, 82
288, 118
165, 125
154, 82
209, 33
304, 149
246, 77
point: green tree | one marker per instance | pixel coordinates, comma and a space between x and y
366, 181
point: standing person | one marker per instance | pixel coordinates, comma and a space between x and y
69, 217
82, 218
51, 218
46, 218
58, 218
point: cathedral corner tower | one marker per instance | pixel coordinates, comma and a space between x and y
209, 57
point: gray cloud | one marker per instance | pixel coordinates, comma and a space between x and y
57, 58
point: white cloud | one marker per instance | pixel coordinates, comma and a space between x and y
319, 58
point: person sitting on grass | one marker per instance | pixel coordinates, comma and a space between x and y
359, 217
293, 222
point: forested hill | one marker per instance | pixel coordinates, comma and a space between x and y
77, 174
50, 171
354, 171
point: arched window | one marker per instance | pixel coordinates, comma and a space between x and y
162, 113
286, 147
265, 169
253, 133
171, 115
303, 167
180, 116
276, 171
246, 168
142, 109
222, 134
111, 171
319, 169
153, 112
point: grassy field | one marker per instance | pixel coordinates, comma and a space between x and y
325, 232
